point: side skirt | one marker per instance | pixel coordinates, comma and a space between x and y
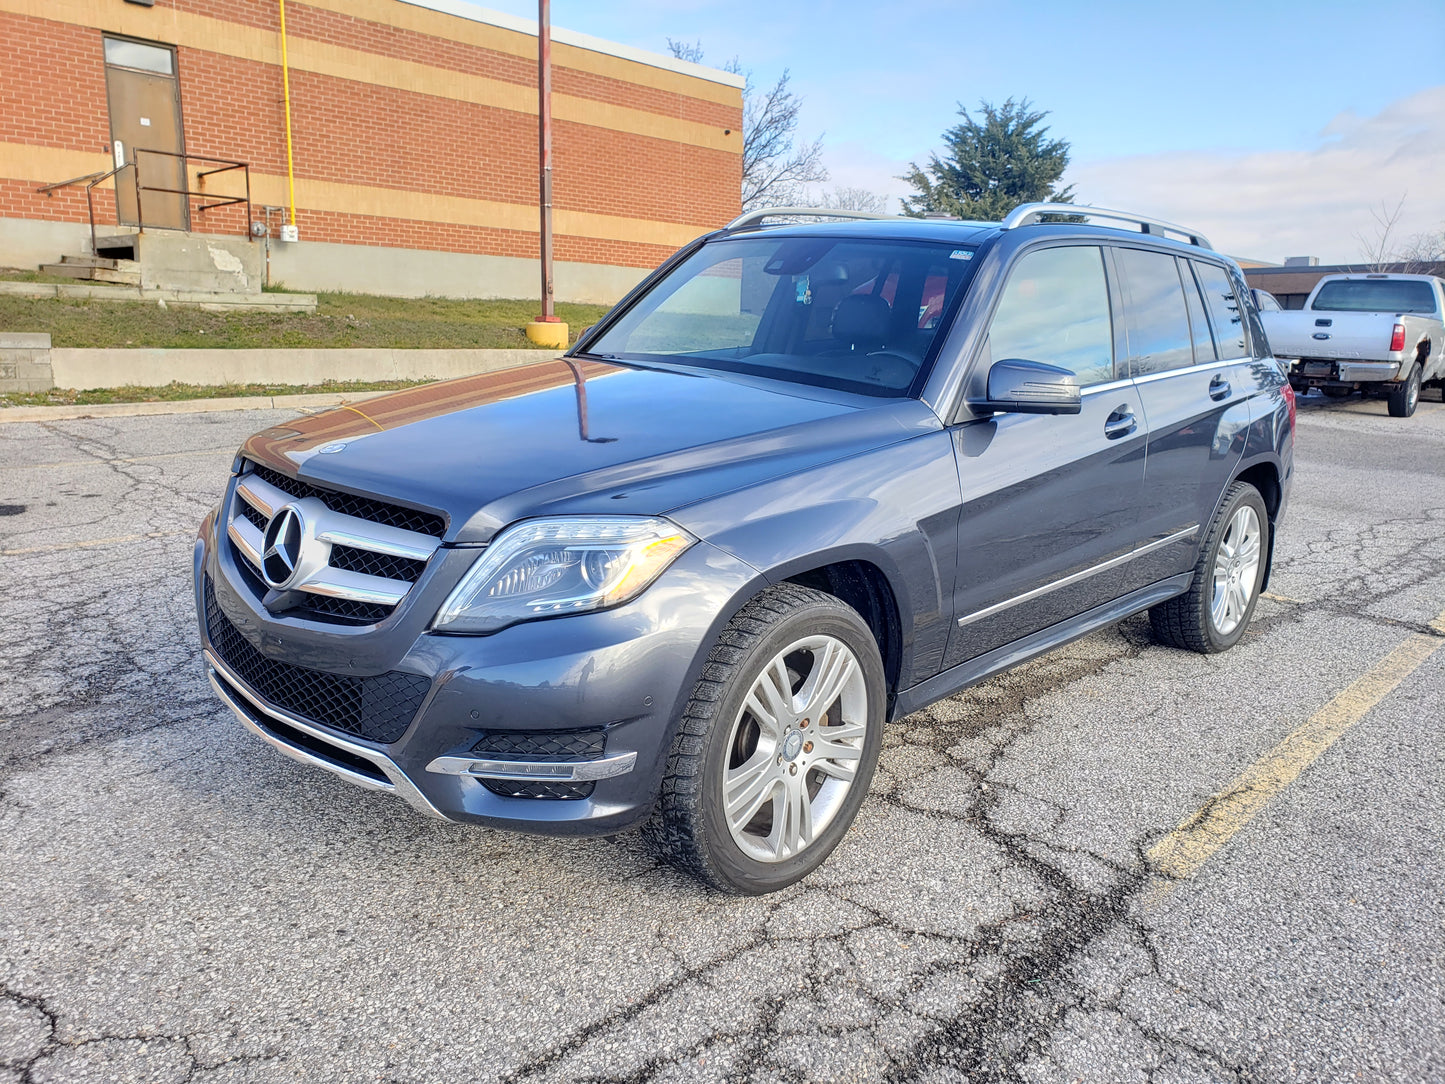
1035, 644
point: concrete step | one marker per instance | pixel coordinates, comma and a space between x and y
118, 278
68, 270
101, 261
87, 273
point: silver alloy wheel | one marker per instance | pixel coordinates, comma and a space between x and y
794, 748
1236, 567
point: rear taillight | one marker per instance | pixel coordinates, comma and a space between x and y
1289, 399
1397, 339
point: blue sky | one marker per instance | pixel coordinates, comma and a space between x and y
1277, 127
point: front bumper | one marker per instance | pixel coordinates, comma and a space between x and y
620, 677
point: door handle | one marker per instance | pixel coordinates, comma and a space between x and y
1120, 423
1218, 388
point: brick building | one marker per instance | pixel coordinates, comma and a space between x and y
414, 133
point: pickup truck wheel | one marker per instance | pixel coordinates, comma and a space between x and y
1337, 393
776, 749
1405, 396
1213, 614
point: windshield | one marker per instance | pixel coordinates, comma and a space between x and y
1375, 295
856, 315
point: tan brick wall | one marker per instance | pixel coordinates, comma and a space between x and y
388, 137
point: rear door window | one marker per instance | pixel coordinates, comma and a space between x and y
1055, 309
1224, 310
1198, 322
1156, 315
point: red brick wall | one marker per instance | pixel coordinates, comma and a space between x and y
52, 85
52, 94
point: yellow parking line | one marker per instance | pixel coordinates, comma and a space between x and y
1282, 598
1183, 851
93, 542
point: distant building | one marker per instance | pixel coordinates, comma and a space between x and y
1292, 283
414, 131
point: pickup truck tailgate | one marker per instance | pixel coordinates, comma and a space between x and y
1341, 336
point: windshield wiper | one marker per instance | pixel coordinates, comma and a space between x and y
657, 367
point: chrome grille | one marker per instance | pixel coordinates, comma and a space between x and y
349, 504
356, 561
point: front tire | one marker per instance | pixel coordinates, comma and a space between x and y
1405, 396
777, 747
1213, 614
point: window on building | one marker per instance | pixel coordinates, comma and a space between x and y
138, 55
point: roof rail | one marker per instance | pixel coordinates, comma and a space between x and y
752, 218
1028, 213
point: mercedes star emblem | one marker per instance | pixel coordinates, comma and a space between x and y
282, 550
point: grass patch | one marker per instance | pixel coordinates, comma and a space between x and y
176, 391
37, 276
341, 320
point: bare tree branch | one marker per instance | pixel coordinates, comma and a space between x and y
776, 167
1375, 249
848, 198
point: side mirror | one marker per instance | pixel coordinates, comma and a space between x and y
1016, 386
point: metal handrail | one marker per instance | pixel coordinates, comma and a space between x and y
90, 199
49, 188
1030, 213
224, 165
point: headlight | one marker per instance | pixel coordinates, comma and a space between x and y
551, 567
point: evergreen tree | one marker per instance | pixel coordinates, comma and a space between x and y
993, 164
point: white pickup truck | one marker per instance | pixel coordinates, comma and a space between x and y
1380, 334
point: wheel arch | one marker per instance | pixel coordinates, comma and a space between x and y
863, 585
1264, 476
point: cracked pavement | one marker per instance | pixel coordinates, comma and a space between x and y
182, 904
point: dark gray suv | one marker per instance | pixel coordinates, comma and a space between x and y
802, 481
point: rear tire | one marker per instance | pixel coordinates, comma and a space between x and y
763, 781
1213, 614
1405, 396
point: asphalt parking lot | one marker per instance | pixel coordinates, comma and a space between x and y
1113, 864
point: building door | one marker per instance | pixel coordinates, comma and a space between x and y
144, 97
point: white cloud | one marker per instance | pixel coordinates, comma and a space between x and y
1310, 202
1261, 204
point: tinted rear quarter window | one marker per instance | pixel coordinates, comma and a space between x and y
1156, 316
1204, 350
1224, 310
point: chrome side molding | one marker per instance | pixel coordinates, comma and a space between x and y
1076, 577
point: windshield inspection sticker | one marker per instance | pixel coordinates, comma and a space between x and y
961, 254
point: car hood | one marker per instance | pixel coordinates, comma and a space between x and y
572, 437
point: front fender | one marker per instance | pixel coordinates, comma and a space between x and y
895, 508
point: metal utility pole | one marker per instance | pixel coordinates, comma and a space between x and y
546, 329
